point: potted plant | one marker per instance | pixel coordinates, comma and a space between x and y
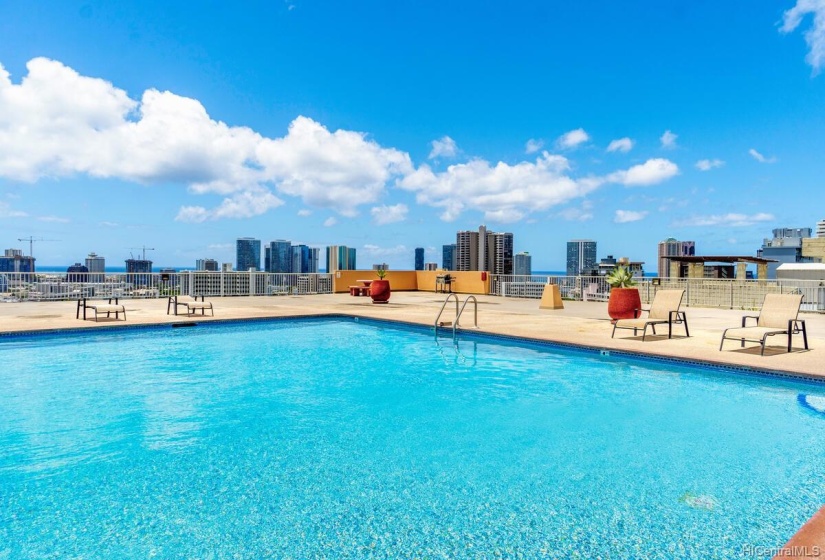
380, 289
624, 302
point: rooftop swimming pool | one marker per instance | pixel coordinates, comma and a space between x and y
339, 438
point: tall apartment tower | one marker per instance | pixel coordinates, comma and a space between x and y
466, 250
500, 253
581, 256
523, 264
419, 258
448, 257
248, 254
820, 228
670, 247
278, 256
484, 250
340, 257
97, 267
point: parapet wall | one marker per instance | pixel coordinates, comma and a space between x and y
469, 282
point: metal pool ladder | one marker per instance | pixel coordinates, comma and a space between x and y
458, 312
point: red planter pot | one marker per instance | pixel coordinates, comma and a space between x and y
380, 291
624, 303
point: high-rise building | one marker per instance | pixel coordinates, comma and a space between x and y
785, 247
139, 271
448, 257
430, 266
466, 250
15, 261
500, 253
278, 256
484, 250
312, 267
208, 265
340, 257
523, 264
670, 247
97, 267
419, 258
581, 256
820, 228
248, 254
304, 259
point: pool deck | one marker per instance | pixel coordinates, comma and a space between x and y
581, 323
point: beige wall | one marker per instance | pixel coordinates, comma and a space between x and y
814, 247
400, 280
468, 282
404, 280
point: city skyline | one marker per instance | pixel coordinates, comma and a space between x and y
185, 128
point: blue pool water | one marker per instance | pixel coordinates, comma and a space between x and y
340, 439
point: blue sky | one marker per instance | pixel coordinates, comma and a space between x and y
391, 125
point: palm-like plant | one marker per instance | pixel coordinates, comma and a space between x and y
621, 277
381, 272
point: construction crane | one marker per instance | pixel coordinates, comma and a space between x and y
31, 239
143, 249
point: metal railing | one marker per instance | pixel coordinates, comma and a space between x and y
34, 286
699, 292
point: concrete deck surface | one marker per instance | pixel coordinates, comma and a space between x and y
584, 323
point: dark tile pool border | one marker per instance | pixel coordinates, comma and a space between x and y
462, 334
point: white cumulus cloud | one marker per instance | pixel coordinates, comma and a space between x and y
668, 139
532, 146
382, 215
731, 219
331, 221
815, 35
573, 138
760, 158
507, 193
651, 172
444, 147
708, 164
57, 123
623, 145
503, 192
626, 216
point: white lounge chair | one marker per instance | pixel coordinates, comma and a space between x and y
192, 305
664, 309
778, 316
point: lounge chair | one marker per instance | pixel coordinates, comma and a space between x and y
192, 305
664, 309
778, 316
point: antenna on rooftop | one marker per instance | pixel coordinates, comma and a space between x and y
31, 239
144, 249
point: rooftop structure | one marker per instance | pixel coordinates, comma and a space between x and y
785, 247
671, 247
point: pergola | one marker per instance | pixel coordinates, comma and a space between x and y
696, 265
